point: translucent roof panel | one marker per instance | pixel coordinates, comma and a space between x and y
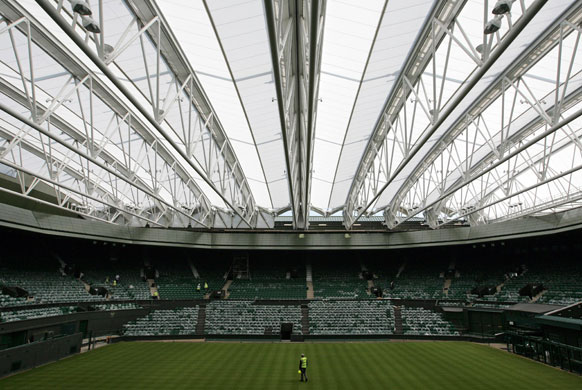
193, 29
242, 31
397, 32
168, 113
347, 39
546, 16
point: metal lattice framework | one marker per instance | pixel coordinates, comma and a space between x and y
225, 114
107, 166
165, 91
295, 33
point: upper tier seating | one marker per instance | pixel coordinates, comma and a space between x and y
181, 321
176, 280
418, 280
267, 289
130, 286
270, 281
47, 286
7, 300
419, 321
351, 317
469, 276
245, 318
564, 286
29, 314
333, 279
116, 306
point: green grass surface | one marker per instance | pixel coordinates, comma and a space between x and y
382, 365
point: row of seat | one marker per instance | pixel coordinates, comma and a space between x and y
420, 321
180, 321
351, 317
268, 289
116, 306
246, 318
29, 314
47, 287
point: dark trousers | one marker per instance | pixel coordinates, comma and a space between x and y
304, 374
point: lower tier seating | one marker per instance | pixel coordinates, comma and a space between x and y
351, 318
181, 321
419, 321
246, 318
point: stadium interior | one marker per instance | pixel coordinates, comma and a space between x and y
311, 173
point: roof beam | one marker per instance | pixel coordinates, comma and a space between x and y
243, 205
444, 114
509, 79
295, 30
420, 55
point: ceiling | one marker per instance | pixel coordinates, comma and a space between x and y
229, 113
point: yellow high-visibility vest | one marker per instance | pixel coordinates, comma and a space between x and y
303, 362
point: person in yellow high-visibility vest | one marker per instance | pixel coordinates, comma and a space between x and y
303, 367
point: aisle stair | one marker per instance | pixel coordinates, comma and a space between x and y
153, 287
309, 281
310, 293
446, 287
308, 273
537, 297
201, 320
398, 320
193, 269
305, 319
401, 269
224, 288
370, 286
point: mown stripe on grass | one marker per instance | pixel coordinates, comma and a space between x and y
382, 365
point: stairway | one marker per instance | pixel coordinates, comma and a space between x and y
309, 281
308, 273
535, 298
201, 320
310, 294
401, 269
397, 320
224, 288
446, 287
193, 269
153, 287
370, 287
305, 319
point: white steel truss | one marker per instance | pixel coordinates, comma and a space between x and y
507, 116
295, 34
136, 50
420, 122
454, 111
112, 153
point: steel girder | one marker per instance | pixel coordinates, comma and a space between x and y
64, 100
504, 117
425, 102
445, 13
147, 66
295, 34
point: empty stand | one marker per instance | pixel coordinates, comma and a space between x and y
420, 321
176, 322
351, 318
245, 318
